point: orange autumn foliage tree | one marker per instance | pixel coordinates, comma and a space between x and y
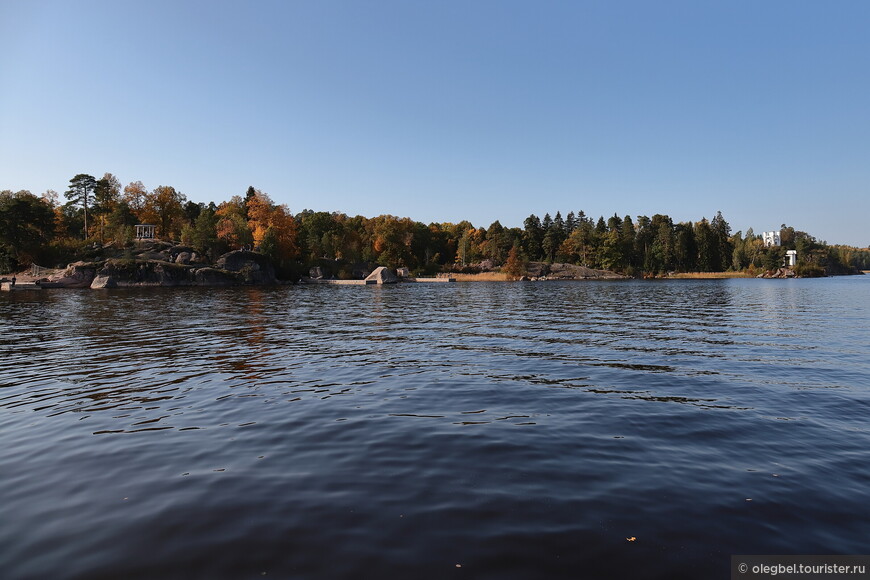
272, 227
232, 226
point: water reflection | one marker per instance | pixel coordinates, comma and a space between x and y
145, 349
522, 430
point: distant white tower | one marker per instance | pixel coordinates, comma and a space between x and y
771, 239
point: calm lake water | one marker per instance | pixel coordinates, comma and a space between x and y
433, 431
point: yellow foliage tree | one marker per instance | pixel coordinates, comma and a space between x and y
272, 227
232, 226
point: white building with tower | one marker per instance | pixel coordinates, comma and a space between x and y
771, 239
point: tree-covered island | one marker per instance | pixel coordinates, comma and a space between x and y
97, 222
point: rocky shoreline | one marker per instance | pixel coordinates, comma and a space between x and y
164, 265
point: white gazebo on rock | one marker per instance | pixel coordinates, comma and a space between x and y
145, 231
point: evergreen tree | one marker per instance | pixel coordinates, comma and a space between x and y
79, 193
107, 194
192, 210
610, 251
533, 236
601, 226
642, 242
570, 223
722, 233
685, 248
551, 243
626, 241
495, 243
708, 251
661, 255
547, 222
614, 224
558, 222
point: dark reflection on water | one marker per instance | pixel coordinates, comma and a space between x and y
484, 430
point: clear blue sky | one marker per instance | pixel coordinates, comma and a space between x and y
442, 111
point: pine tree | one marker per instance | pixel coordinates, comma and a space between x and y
570, 223
80, 189
722, 233
107, 192
600, 226
533, 236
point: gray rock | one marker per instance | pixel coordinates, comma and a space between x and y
104, 282
147, 273
254, 267
160, 256
183, 258
197, 258
76, 275
381, 275
215, 277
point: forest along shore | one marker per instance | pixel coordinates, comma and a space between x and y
160, 264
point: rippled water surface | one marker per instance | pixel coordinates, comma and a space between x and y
433, 431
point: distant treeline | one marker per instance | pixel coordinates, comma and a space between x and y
45, 231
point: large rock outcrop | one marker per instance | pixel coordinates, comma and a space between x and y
254, 268
104, 282
76, 275
381, 275
135, 273
214, 277
126, 273
778, 273
181, 268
